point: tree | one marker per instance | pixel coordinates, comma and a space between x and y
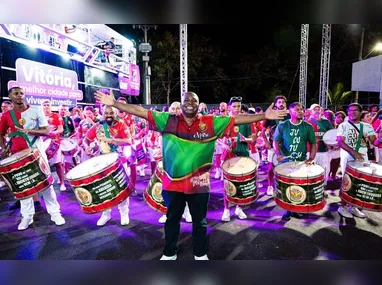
204, 73
166, 65
337, 97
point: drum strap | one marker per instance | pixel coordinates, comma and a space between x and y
318, 124
18, 133
360, 135
113, 147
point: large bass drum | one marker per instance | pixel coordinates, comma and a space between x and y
101, 182
299, 187
362, 185
26, 173
240, 180
153, 191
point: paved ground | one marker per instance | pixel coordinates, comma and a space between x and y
263, 236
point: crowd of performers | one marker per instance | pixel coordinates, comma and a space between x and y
192, 143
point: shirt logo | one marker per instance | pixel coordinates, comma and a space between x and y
202, 127
22, 122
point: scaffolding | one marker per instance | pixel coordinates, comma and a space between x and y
303, 63
183, 58
325, 65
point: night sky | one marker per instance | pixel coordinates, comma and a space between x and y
239, 40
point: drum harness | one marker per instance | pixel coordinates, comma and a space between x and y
18, 133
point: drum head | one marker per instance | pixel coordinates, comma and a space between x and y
367, 168
92, 166
330, 137
16, 156
68, 144
299, 170
239, 165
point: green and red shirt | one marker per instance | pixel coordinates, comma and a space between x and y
188, 150
293, 139
320, 128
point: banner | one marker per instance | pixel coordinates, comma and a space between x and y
42, 81
130, 85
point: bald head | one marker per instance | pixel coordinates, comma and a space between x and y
175, 108
186, 94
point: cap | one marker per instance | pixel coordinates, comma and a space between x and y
314, 106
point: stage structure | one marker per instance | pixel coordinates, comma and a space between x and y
303, 63
183, 58
325, 65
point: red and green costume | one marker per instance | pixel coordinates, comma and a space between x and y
188, 150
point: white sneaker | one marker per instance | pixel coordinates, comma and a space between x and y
217, 174
24, 224
186, 215
104, 219
125, 220
204, 257
259, 185
162, 219
58, 219
62, 187
356, 212
2, 184
270, 191
165, 257
344, 212
226, 217
239, 212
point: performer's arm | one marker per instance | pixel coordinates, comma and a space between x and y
312, 154
342, 144
131, 109
269, 114
126, 141
2, 141
276, 147
59, 130
42, 131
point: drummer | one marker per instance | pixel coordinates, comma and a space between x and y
320, 126
36, 125
110, 134
240, 138
68, 131
270, 125
187, 177
55, 129
353, 147
175, 110
290, 142
85, 124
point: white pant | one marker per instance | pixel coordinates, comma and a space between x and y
323, 159
27, 207
379, 156
123, 207
271, 152
334, 154
57, 158
255, 157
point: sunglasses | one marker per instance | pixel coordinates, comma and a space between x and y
236, 99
